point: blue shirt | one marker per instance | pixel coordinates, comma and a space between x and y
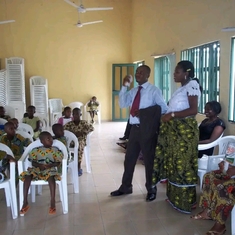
150, 95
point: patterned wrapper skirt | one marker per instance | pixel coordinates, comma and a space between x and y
177, 160
218, 198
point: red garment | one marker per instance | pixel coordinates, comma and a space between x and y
136, 102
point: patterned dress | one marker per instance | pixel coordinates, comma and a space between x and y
93, 106
177, 152
33, 123
16, 145
6, 117
218, 198
4, 163
44, 155
85, 128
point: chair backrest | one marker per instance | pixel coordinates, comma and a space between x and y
3, 121
76, 105
26, 128
25, 134
55, 105
36, 144
223, 142
10, 111
39, 94
70, 137
5, 148
44, 121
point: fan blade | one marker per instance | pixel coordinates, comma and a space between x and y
93, 22
7, 21
71, 3
228, 29
99, 9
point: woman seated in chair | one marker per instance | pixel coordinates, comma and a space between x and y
218, 198
45, 162
211, 128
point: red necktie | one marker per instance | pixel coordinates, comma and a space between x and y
136, 102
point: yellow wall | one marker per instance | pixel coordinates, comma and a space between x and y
76, 61
162, 26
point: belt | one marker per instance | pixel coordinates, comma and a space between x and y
136, 125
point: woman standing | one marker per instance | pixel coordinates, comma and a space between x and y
176, 152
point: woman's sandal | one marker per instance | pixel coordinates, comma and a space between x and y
199, 217
52, 211
215, 232
24, 210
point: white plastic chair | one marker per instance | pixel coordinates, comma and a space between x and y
77, 105
23, 165
9, 184
87, 115
25, 135
44, 122
10, 111
87, 153
39, 95
55, 107
73, 163
232, 221
3, 121
205, 163
26, 128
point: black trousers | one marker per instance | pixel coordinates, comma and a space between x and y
128, 129
136, 143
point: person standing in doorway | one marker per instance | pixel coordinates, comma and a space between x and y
144, 98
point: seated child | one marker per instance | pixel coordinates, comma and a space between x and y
81, 129
14, 141
34, 122
4, 164
3, 115
45, 161
93, 108
58, 131
15, 122
66, 116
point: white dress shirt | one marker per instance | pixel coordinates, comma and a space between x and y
150, 95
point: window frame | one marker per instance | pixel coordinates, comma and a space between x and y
162, 75
206, 59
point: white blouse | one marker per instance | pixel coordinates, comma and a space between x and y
179, 100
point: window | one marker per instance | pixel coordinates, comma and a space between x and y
206, 60
231, 110
162, 76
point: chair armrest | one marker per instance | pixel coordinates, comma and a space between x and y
207, 146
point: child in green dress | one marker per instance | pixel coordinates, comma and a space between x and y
45, 161
93, 108
34, 122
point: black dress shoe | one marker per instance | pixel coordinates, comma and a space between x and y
150, 197
123, 138
119, 193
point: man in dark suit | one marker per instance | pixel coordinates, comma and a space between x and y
142, 114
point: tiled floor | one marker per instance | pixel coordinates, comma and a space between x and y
93, 212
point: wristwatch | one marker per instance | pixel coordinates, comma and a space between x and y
173, 114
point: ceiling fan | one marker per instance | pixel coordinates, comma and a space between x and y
228, 29
7, 21
80, 24
82, 9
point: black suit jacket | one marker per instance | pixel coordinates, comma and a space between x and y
149, 122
